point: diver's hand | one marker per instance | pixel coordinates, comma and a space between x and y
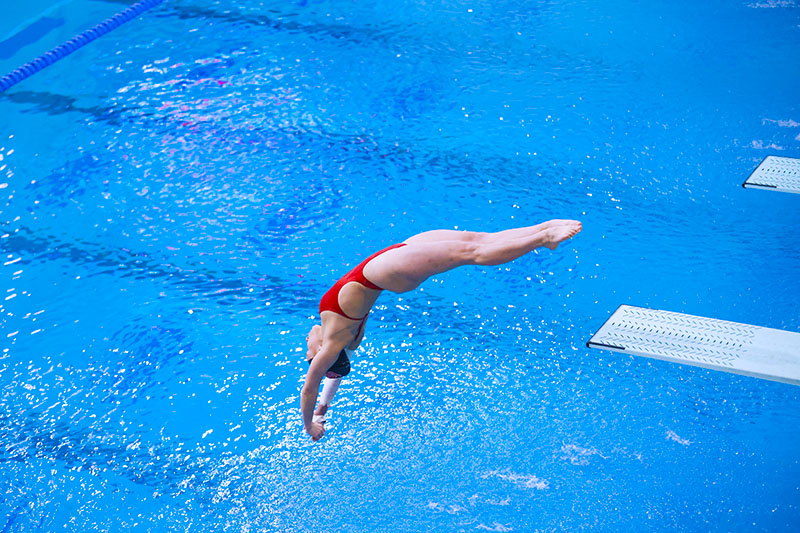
316, 431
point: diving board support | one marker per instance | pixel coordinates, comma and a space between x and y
755, 351
776, 174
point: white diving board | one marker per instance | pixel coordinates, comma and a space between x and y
776, 174
765, 353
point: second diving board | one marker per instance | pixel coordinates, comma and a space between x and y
755, 351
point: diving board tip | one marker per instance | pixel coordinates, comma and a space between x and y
745, 349
777, 174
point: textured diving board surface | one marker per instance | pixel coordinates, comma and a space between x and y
716, 344
776, 173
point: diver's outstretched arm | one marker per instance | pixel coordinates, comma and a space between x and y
316, 371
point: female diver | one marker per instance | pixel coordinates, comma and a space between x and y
402, 267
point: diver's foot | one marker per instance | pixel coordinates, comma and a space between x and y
557, 222
558, 233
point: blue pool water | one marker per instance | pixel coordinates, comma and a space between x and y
175, 198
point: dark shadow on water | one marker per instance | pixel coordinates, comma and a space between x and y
196, 280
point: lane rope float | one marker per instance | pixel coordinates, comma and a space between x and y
79, 41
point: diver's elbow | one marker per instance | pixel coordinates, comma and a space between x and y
308, 392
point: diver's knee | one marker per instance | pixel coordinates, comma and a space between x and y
470, 253
484, 255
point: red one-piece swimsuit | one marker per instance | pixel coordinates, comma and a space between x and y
330, 300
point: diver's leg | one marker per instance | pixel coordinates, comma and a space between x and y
518, 233
479, 236
403, 269
443, 235
495, 251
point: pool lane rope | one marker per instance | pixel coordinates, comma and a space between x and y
79, 41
